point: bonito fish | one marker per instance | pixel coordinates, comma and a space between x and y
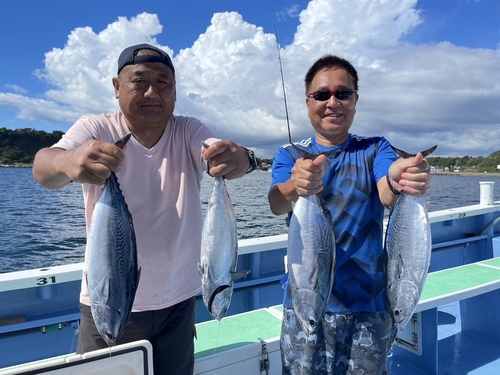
408, 246
112, 274
310, 257
219, 252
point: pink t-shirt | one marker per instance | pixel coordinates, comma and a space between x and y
161, 186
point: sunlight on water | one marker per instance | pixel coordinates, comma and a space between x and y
40, 227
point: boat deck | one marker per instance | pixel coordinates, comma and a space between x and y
464, 343
458, 329
455, 329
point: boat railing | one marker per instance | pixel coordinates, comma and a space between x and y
64, 273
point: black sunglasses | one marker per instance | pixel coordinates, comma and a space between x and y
323, 95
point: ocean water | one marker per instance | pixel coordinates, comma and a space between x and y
41, 228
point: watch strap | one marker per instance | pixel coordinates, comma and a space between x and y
252, 159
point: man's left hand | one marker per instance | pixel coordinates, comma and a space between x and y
226, 158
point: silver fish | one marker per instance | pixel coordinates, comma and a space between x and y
112, 274
408, 247
310, 257
219, 252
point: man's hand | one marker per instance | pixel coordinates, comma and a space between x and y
226, 158
92, 163
411, 175
307, 175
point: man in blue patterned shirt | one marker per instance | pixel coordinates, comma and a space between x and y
357, 177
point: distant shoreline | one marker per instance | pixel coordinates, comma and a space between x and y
466, 174
16, 166
462, 174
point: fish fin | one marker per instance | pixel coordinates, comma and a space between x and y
314, 277
138, 276
406, 155
201, 271
107, 289
401, 266
236, 275
102, 289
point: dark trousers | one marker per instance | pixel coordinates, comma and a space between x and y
170, 331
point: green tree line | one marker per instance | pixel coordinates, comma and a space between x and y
467, 163
18, 147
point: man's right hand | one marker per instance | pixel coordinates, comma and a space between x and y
91, 163
307, 175
307, 179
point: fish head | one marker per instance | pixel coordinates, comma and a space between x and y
103, 315
308, 319
219, 301
309, 309
407, 298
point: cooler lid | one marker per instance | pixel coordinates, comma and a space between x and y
134, 358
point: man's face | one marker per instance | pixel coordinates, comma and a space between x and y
332, 118
146, 94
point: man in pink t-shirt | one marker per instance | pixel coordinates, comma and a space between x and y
159, 173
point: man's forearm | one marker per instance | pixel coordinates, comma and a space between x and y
47, 171
281, 197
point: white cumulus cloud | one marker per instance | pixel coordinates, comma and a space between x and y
414, 95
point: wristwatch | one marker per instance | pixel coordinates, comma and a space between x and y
253, 160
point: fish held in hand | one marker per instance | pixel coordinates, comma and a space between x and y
112, 274
310, 258
219, 252
408, 246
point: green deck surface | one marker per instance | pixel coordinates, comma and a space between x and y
278, 309
244, 329
454, 280
235, 331
495, 262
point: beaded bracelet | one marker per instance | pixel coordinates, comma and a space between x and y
391, 188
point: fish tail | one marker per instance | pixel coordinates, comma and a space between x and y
303, 153
406, 155
307, 155
123, 140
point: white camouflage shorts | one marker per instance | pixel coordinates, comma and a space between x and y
344, 344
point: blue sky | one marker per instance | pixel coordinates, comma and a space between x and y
429, 70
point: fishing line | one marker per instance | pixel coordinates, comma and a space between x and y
283, 84
301, 152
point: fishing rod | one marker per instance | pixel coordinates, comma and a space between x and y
301, 152
283, 85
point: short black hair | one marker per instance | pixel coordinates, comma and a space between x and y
330, 62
